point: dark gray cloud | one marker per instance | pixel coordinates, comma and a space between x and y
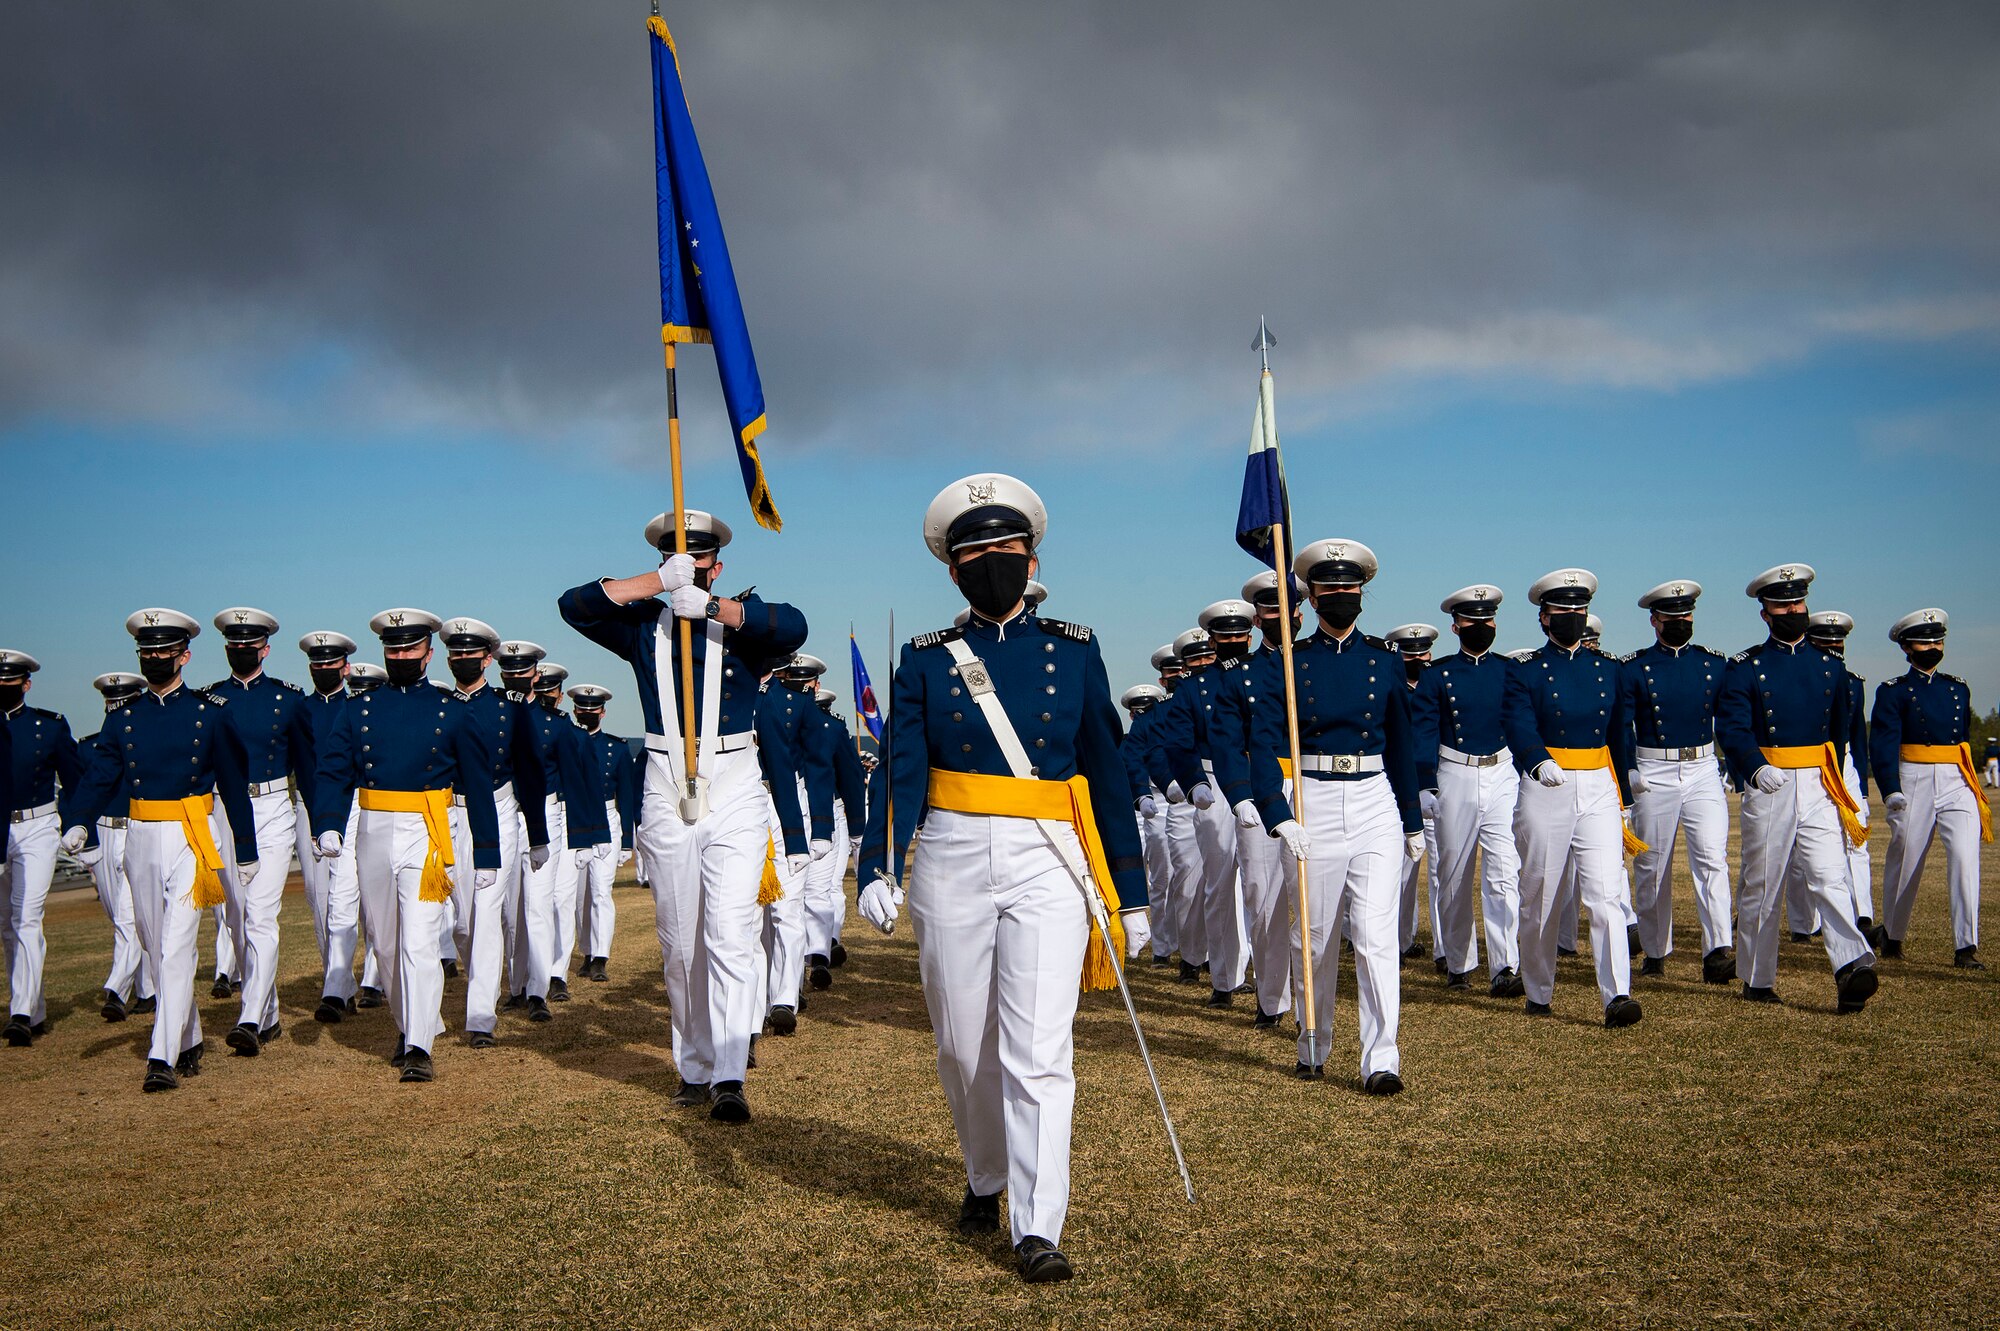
1059, 221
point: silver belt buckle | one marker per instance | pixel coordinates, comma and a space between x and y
1346, 763
978, 682
1689, 755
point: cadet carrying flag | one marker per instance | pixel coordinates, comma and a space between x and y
864, 692
1265, 503
698, 300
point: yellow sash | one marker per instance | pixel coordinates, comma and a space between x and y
1057, 801
1959, 756
435, 806
769, 887
192, 814
1598, 760
1799, 757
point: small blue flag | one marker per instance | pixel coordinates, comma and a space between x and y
864, 692
1265, 503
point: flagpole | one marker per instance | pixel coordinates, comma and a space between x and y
691, 792
888, 772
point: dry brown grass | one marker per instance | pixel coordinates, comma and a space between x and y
1720, 1164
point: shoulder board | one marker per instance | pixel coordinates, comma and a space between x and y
1743, 655
937, 639
43, 711
514, 695
744, 595
1953, 678
1708, 651
1525, 654
1064, 629
1379, 644
285, 685
1856, 678
210, 695
1629, 656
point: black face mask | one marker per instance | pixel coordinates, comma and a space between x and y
467, 669
1788, 626
551, 701
517, 683
1677, 632
992, 584
1477, 639
243, 661
590, 720
1926, 658
1412, 670
404, 670
1173, 682
159, 669
11, 695
327, 678
1231, 651
1338, 609
1566, 627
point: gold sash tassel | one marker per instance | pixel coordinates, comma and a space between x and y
769, 887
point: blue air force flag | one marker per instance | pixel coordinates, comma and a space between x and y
1265, 503
864, 692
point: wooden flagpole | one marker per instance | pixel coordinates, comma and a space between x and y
691, 790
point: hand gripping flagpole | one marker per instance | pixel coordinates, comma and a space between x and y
693, 797
1262, 346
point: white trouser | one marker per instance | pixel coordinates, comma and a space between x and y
1993, 771
1001, 929
1353, 878
824, 900
531, 914
704, 879
232, 949
389, 853
1682, 798
333, 894
564, 889
451, 922
1221, 896
1270, 877
596, 913
1941, 806
30, 867
1189, 928
1160, 879
130, 974
1475, 827
1406, 905
1569, 904
482, 911
1574, 826
254, 901
1796, 825
781, 935
160, 867
1860, 870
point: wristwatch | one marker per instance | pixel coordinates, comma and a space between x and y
714, 607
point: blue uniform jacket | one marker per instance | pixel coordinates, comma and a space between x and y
1139, 751
274, 721
513, 752
1569, 698
1457, 705
1185, 731
1670, 695
850, 782
568, 771
166, 748
808, 747
1352, 700
117, 805
618, 774
1780, 696
771, 630
415, 738
44, 752
781, 721
1915, 708
1049, 675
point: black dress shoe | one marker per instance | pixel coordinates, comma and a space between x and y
726, 1103
558, 989
235, 984
1891, 947
538, 1010
819, 972
1856, 983
1653, 966
837, 954
1413, 951
1798, 937
784, 1020
1967, 959
596, 971
1876, 934
1565, 951
1383, 1083
1265, 1020
189, 1063
1535, 1009
1312, 1073
480, 1040
401, 1055
1159, 960
330, 1009
19, 1031
450, 968
270, 1033
1189, 974
1220, 998
1633, 946
369, 997
1759, 993
1622, 1011
1718, 967
978, 1215
1441, 965
159, 1077
243, 1039
1457, 979
417, 1066
220, 989
691, 1093
114, 1007
1507, 983
1042, 1262
39, 1029
142, 1007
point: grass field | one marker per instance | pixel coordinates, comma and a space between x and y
1721, 1164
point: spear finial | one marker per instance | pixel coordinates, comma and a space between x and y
1262, 346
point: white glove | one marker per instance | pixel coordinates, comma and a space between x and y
1413, 846
1768, 779
1427, 805
1626, 816
1297, 843
1173, 793
329, 845
1138, 933
796, 864
537, 856
1203, 796
1148, 806
604, 852
676, 572
1246, 815
1549, 774
72, 840
1637, 780
690, 603
1897, 802
89, 858
624, 858
820, 849
583, 855
246, 869
878, 905
484, 878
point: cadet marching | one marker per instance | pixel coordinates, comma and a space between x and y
1036, 842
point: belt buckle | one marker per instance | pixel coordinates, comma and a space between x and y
1689, 755
1346, 763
